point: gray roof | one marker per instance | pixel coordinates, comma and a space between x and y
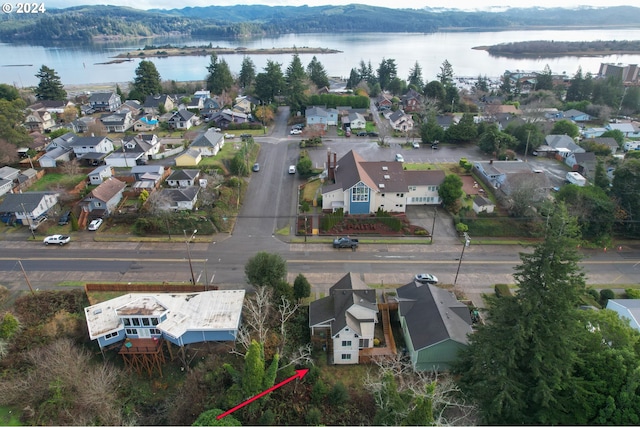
574, 113
101, 97
182, 174
210, 138
432, 315
182, 194
148, 168
315, 111
432, 177
563, 142
182, 115
608, 141
347, 292
7, 172
114, 118
22, 202
82, 141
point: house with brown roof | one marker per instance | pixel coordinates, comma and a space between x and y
103, 199
362, 187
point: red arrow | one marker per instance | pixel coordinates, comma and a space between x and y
300, 373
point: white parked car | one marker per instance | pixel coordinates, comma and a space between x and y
229, 135
57, 239
95, 224
416, 145
399, 158
295, 132
426, 278
292, 169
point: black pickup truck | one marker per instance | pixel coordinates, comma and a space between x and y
345, 242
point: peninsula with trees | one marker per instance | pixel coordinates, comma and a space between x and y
552, 48
170, 50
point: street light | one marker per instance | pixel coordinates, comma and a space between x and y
186, 241
467, 241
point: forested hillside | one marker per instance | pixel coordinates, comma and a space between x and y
84, 23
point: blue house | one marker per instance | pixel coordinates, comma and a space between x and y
180, 318
576, 115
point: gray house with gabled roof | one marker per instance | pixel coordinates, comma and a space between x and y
28, 206
345, 319
436, 326
105, 101
183, 177
209, 143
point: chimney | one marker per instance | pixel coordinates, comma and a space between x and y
331, 176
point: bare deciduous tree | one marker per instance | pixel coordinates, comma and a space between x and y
286, 309
449, 406
97, 129
257, 312
65, 387
8, 153
72, 167
157, 203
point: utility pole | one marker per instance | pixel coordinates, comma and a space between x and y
467, 241
193, 277
305, 229
526, 148
433, 227
26, 278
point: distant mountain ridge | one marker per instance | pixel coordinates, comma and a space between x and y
84, 23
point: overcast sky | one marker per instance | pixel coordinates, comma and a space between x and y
412, 4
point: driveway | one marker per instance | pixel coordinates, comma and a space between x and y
444, 231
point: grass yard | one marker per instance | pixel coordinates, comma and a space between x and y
310, 190
9, 417
51, 180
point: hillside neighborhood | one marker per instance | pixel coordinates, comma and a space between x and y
555, 174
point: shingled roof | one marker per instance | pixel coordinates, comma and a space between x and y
432, 315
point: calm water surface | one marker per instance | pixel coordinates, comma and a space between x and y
79, 64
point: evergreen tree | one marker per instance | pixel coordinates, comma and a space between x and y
317, 74
506, 87
576, 88
544, 80
463, 131
387, 71
219, 79
50, 87
519, 365
601, 179
301, 287
626, 182
247, 73
295, 84
446, 73
11, 119
147, 81
8, 92
270, 84
354, 79
415, 77
431, 131
450, 191
265, 269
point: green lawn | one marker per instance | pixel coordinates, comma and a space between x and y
51, 180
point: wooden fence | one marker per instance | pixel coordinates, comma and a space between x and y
142, 287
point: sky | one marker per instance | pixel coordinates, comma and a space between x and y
410, 4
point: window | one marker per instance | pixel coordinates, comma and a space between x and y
154, 321
155, 331
360, 193
131, 331
145, 321
111, 335
136, 321
346, 343
126, 321
346, 357
412, 188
